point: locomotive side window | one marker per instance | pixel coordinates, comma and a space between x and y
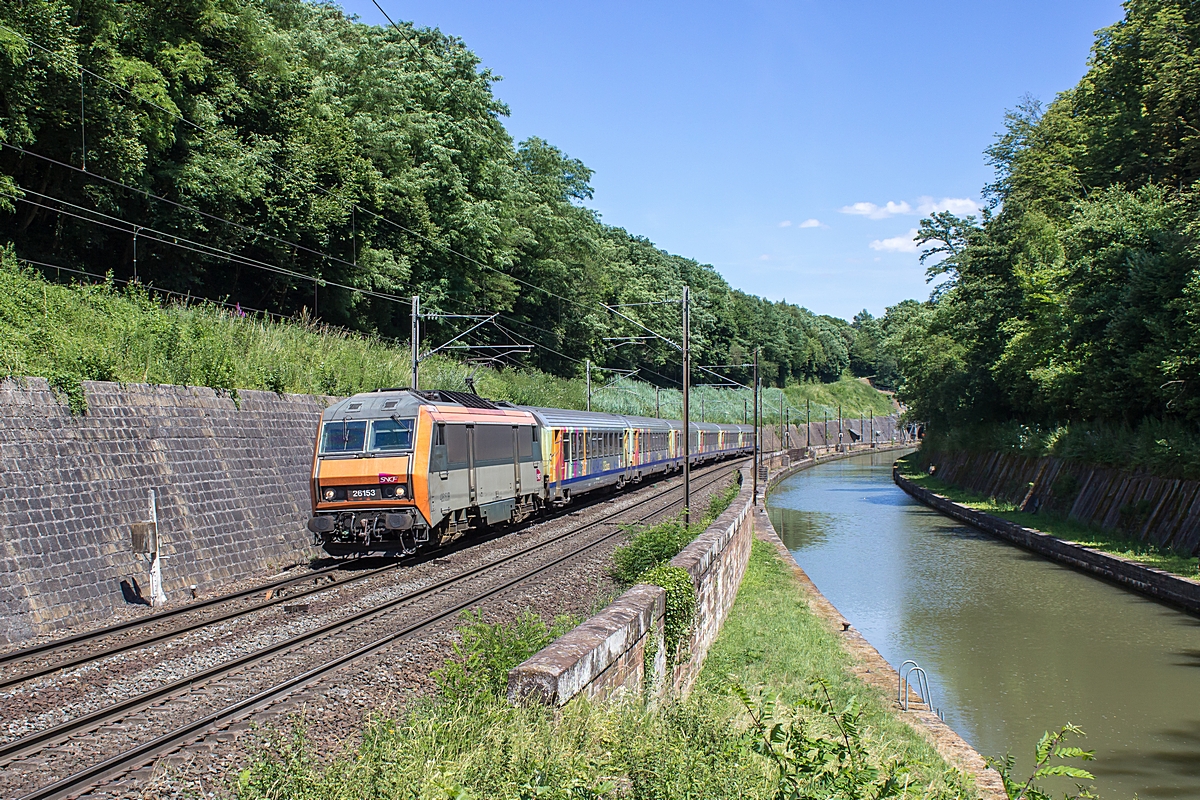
456, 445
392, 434
344, 436
493, 445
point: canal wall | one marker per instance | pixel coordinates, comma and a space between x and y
231, 480
1161, 511
1156, 583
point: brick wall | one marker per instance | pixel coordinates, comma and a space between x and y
231, 480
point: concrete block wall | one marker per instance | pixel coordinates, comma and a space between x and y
231, 482
606, 654
1162, 511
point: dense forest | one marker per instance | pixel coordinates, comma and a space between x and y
1076, 297
277, 154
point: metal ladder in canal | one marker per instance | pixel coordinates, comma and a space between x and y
920, 685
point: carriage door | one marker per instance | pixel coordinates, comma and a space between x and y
471, 462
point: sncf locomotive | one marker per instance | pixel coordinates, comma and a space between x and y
400, 470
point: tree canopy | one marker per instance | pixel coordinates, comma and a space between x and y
279, 154
1074, 296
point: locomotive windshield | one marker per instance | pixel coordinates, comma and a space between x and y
344, 436
391, 434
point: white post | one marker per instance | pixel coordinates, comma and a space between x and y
157, 596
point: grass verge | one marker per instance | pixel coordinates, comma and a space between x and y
1058, 525
773, 641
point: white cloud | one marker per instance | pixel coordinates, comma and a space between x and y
873, 211
959, 206
787, 223
764, 257
811, 223
905, 243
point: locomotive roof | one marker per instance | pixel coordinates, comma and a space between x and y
406, 402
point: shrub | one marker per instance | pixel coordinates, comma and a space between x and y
487, 652
681, 605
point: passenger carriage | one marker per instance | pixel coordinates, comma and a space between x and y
396, 470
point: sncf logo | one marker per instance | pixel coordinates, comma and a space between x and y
389, 478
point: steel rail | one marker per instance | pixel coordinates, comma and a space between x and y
147, 751
49, 648
38, 741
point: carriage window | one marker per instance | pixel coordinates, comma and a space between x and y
493, 444
456, 444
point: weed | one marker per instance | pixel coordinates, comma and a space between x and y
487, 652
1051, 747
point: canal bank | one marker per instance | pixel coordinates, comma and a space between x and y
1013, 645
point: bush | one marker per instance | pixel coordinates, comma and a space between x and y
486, 653
648, 547
681, 605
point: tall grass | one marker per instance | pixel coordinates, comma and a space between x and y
71, 333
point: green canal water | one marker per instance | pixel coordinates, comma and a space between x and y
1013, 644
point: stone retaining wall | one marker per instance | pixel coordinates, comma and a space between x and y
1163, 511
1173, 589
231, 482
606, 654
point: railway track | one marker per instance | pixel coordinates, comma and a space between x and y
86, 647
303, 660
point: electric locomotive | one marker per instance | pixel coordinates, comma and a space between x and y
397, 470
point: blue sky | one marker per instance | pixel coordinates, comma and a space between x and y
768, 139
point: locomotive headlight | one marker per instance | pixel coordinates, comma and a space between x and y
329, 494
400, 490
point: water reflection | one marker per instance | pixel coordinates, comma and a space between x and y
1013, 644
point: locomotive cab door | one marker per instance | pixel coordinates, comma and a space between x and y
471, 477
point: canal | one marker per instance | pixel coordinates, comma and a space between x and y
1013, 644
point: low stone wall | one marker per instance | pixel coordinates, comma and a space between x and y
1149, 581
606, 654
1163, 511
231, 482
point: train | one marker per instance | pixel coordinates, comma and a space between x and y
401, 470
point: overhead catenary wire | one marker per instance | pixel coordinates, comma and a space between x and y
175, 240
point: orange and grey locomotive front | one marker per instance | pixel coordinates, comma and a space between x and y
397, 470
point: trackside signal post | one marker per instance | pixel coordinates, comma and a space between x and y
145, 541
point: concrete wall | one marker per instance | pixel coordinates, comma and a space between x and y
607, 653
1163, 511
231, 479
